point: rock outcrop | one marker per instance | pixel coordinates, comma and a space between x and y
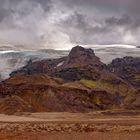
127, 68
81, 57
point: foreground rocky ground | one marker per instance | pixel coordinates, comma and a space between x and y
71, 136
107, 125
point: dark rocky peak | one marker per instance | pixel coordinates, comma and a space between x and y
132, 60
80, 56
127, 68
126, 61
79, 51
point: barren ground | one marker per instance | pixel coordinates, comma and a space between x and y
109, 125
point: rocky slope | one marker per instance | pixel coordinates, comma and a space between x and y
79, 82
40, 93
127, 68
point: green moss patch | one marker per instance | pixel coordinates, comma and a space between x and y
88, 83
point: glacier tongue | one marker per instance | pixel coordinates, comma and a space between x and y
12, 60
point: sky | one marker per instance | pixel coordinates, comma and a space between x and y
34, 24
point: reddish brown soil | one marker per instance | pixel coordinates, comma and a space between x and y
71, 126
71, 136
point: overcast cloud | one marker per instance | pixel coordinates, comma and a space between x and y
38, 24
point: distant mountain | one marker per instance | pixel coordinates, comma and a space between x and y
80, 63
15, 57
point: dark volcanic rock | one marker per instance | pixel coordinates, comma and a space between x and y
73, 74
43, 66
79, 57
80, 63
127, 68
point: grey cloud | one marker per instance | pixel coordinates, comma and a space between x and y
110, 30
19, 20
9, 7
46, 4
127, 22
3, 13
124, 20
50, 22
